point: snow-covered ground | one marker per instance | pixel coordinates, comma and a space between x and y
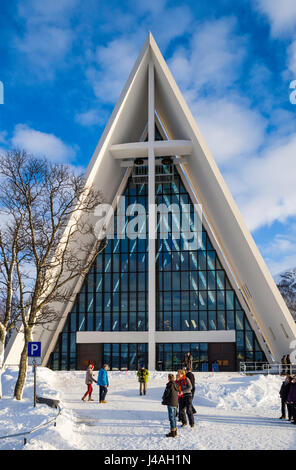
233, 412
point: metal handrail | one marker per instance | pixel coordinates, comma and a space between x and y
267, 368
25, 433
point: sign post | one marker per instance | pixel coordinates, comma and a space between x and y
34, 359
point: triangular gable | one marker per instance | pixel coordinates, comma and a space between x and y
231, 233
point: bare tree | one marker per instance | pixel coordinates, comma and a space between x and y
52, 241
11, 234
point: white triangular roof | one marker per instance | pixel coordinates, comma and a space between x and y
126, 125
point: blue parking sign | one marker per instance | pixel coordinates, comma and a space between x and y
34, 349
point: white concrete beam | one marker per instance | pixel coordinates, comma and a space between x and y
163, 148
151, 219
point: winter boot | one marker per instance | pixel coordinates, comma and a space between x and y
170, 434
183, 425
175, 432
90, 398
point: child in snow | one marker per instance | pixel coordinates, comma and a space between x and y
89, 379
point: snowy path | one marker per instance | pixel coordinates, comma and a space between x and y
233, 412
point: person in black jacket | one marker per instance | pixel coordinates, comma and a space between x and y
284, 392
185, 399
191, 377
291, 399
170, 398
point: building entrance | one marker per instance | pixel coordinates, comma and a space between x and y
223, 354
89, 353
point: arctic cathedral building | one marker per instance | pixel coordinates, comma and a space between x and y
158, 291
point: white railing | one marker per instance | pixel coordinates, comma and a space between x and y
266, 368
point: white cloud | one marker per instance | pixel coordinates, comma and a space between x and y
282, 18
91, 117
280, 252
3, 136
213, 58
264, 186
153, 6
42, 144
281, 244
114, 62
230, 127
291, 53
47, 34
170, 23
282, 264
281, 15
46, 47
46, 11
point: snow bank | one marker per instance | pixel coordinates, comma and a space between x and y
260, 392
21, 416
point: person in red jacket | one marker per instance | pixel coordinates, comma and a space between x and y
185, 399
89, 379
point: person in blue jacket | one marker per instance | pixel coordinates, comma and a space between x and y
103, 382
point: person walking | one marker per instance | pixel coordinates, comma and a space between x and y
191, 377
103, 383
170, 399
284, 392
143, 379
188, 360
291, 400
89, 380
185, 399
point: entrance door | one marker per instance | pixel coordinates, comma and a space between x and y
224, 355
89, 353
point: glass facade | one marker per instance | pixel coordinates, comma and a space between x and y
193, 292
170, 356
125, 356
114, 294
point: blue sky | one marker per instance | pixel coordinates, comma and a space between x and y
64, 64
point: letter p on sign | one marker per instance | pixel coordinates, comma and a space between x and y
34, 349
